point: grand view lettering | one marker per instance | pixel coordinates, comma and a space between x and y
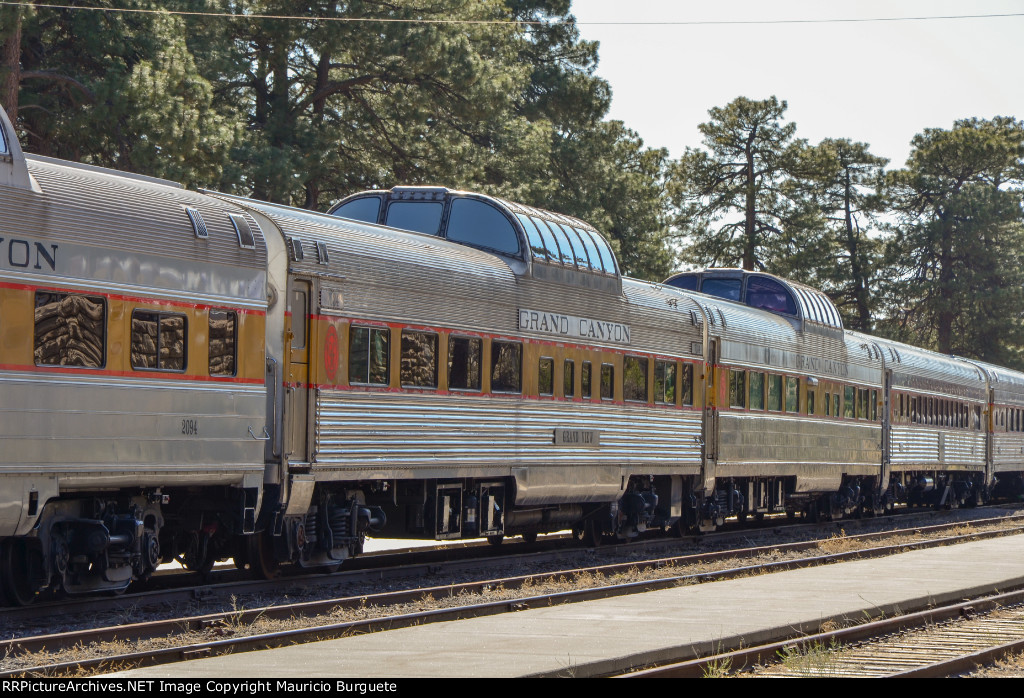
574, 327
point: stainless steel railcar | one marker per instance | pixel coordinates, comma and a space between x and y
200, 376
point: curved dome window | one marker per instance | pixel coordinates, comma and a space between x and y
366, 209
479, 224
768, 294
417, 216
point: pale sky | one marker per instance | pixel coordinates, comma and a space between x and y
876, 82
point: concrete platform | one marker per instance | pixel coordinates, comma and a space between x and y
599, 637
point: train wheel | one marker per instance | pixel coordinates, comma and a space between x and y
530, 537
496, 540
14, 570
591, 534
260, 556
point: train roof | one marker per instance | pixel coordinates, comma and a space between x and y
763, 291
535, 242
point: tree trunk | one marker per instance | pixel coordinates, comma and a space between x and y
10, 59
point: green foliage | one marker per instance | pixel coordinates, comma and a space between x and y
840, 248
957, 251
304, 112
734, 202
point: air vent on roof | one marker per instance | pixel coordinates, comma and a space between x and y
321, 252
245, 236
198, 224
296, 244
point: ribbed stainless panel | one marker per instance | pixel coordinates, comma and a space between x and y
484, 436
927, 372
1007, 386
127, 215
1007, 451
761, 340
765, 439
931, 448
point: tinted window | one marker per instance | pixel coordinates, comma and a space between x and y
534, 237
607, 381
769, 294
369, 355
479, 224
581, 255
687, 384
507, 367
223, 324
549, 239
569, 378
722, 288
158, 341
418, 216
464, 363
585, 381
564, 246
737, 388
419, 359
367, 209
70, 330
756, 391
665, 382
607, 258
546, 376
687, 282
634, 377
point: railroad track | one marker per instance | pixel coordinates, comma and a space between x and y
944, 641
180, 638
182, 588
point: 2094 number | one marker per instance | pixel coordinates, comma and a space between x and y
190, 427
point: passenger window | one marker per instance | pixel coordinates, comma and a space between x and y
70, 330
366, 209
874, 405
835, 405
607, 381
792, 394
569, 378
828, 404
419, 359
728, 289
158, 341
506, 367
222, 339
849, 397
737, 388
634, 385
756, 390
665, 382
687, 384
546, 377
369, 356
417, 216
810, 401
479, 224
464, 356
769, 294
533, 235
775, 393
587, 388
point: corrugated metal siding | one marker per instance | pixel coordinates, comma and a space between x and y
128, 215
367, 431
765, 438
924, 447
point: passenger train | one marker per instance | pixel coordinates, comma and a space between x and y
196, 376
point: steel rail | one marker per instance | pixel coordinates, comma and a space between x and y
141, 631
